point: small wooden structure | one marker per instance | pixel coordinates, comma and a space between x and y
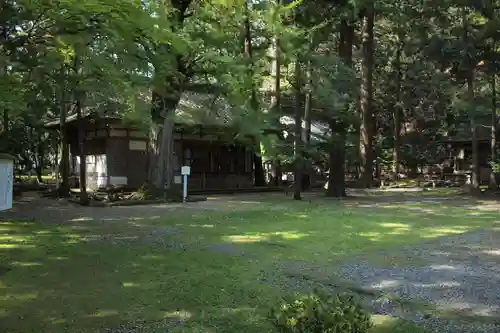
459, 148
116, 153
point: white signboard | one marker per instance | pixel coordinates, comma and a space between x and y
186, 170
138, 145
118, 181
6, 183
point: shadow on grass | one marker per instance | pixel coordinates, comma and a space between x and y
323, 233
59, 281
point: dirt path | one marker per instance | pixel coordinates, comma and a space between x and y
32, 207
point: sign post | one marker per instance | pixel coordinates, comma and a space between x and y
185, 172
6, 181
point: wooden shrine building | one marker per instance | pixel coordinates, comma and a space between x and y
116, 153
458, 144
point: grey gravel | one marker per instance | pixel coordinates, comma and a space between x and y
458, 273
462, 277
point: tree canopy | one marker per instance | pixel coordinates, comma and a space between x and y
371, 88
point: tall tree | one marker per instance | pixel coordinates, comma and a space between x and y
397, 111
259, 176
470, 68
367, 125
494, 123
170, 80
338, 126
306, 131
298, 142
63, 111
275, 106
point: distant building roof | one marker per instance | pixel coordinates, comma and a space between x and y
208, 109
73, 117
319, 130
462, 130
194, 108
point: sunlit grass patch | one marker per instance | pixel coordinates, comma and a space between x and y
388, 324
259, 237
323, 233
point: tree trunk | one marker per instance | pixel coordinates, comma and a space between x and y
397, 116
153, 152
308, 105
5, 122
366, 95
3, 74
397, 143
298, 150
166, 156
84, 198
276, 92
161, 164
278, 173
472, 118
336, 156
64, 163
55, 162
306, 132
493, 176
165, 99
40, 152
259, 175
475, 180
258, 171
39, 172
336, 177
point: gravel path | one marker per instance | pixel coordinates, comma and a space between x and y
32, 207
459, 276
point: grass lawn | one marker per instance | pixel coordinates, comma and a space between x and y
198, 272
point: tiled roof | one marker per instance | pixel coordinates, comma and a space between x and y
197, 108
194, 108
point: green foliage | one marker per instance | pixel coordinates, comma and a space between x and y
115, 53
319, 313
495, 166
384, 153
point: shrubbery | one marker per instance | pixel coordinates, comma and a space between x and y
320, 313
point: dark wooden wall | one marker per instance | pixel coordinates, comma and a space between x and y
215, 163
123, 162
